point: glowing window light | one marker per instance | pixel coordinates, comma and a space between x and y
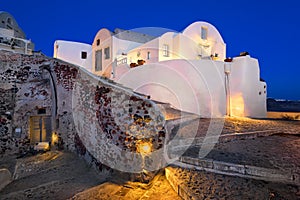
237, 105
54, 138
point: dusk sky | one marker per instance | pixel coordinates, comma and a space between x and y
268, 30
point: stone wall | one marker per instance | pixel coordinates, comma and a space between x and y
91, 115
23, 91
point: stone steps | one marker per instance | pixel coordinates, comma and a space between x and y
191, 184
245, 171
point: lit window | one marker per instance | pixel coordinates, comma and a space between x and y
148, 55
204, 33
166, 50
106, 53
83, 55
98, 42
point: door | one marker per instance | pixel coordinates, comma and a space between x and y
98, 60
40, 129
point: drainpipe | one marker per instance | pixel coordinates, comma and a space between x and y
227, 71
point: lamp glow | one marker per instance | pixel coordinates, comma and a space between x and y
144, 147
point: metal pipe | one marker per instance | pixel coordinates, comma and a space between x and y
227, 71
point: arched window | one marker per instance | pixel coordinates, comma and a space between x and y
9, 21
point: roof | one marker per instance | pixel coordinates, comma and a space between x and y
132, 36
4, 16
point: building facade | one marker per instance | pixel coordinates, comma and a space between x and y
12, 37
187, 69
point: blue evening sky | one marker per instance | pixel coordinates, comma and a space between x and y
268, 30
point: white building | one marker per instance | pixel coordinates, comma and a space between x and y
184, 69
12, 37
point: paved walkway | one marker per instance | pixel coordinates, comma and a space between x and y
276, 152
193, 184
238, 163
229, 125
63, 175
53, 175
160, 189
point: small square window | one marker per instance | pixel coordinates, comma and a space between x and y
98, 42
41, 111
83, 55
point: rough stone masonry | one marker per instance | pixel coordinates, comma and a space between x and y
106, 113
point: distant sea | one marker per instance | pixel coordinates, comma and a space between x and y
282, 105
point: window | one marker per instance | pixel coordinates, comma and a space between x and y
106, 53
98, 42
98, 60
166, 50
83, 55
204, 33
9, 21
148, 55
41, 111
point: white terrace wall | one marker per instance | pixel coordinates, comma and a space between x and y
198, 86
248, 93
71, 52
192, 86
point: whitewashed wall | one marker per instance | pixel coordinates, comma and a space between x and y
71, 52
122, 46
105, 37
214, 40
248, 93
196, 86
140, 52
168, 39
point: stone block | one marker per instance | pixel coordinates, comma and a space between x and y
228, 167
5, 178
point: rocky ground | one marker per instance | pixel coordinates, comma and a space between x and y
206, 185
52, 175
63, 175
